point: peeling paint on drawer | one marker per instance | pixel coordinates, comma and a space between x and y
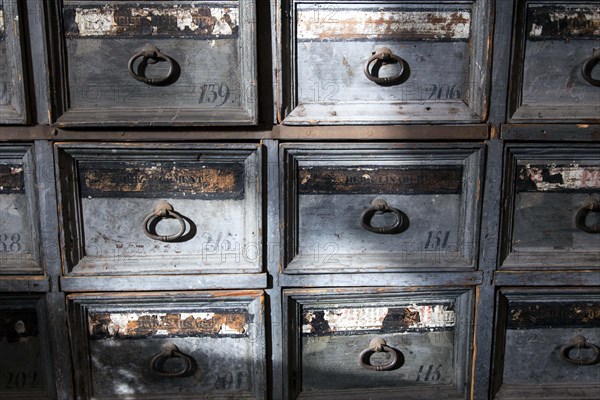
410, 318
229, 323
527, 315
1, 23
376, 23
561, 22
18, 325
558, 178
11, 179
181, 20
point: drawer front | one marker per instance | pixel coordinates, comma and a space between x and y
12, 98
365, 343
22, 345
146, 63
134, 346
554, 202
19, 240
555, 75
165, 209
374, 63
551, 344
355, 208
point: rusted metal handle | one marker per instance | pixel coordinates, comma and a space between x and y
385, 56
581, 215
380, 205
580, 342
150, 54
163, 210
170, 350
378, 345
586, 70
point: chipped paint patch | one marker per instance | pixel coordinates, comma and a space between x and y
550, 178
381, 319
562, 22
2, 28
156, 20
12, 179
156, 324
375, 23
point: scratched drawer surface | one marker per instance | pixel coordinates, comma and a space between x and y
159, 63
12, 98
23, 362
160, 208
555, 72
19, 242
148, 346
379, 207
551, 344
362, 343
553, 208
387, 62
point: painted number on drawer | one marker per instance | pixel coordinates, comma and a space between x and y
437, 240
429, 373
214, 93
10, 243
19, 380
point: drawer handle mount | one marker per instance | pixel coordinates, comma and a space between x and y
381, 206
378, 345
381, 57
580, 342
163, 210
582, 215
586, 70
150, 54
170, 350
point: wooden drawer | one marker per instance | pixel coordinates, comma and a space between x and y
158, 345
19, 230
357, 207
25, 354
12, 79
361, 343
160, 208
173, 63
548, 345
556, 47
552, 207
387, 62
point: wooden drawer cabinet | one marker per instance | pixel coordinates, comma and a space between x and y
157, 345
376, 344
553, 207
148, 64
19, 229
555, 77
549, 346
166, 209
387, 62
12, 74
391, 207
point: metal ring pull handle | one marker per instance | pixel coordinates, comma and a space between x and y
582, 215
163, 210
385, 56
379, 205
170, 350
580, 342
150, 54
378, 345
586, 70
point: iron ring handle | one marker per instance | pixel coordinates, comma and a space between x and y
580, 342
164, 210
170, 350
380, 205
582, 214
586, 70
378, 345
385, 55
152, 55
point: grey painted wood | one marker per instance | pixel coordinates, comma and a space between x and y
323, 209
555, 132
547, 278
404, 279
213, 46
12, 74
330, 43
228, 361
24, 284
